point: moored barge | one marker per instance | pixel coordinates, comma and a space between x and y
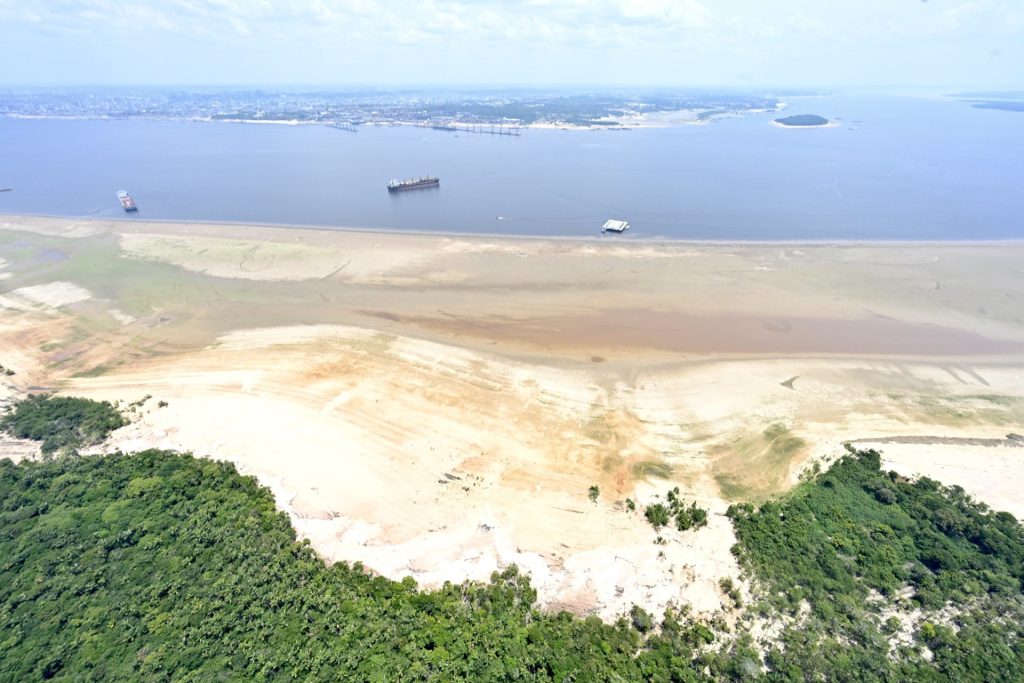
127, 203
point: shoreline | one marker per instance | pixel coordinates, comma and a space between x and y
589, 240
639, 122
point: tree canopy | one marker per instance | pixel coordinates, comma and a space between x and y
62, 423
160, 566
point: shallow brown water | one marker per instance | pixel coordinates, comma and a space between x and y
691, 333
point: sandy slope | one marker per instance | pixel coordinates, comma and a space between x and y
439, 406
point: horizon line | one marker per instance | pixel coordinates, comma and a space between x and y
508, 86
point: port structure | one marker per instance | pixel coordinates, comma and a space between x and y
476, 128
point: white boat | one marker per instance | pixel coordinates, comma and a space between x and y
127, 203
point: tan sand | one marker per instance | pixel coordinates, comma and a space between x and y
439, 406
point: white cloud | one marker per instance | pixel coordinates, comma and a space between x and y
783, 39
426, 20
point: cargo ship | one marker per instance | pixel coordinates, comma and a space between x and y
127, 203
413, 184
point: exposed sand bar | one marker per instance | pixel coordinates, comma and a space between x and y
595, 295
437, 406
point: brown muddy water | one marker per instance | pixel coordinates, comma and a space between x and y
695, 333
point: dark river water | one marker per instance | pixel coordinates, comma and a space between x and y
894, 168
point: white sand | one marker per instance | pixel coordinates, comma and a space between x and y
444, 412
49, 295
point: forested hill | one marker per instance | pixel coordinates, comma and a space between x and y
159, 566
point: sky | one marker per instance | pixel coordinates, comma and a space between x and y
799, 43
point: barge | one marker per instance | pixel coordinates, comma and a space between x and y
127, 203
613, 225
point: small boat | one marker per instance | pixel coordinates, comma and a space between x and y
613, 225
127, 203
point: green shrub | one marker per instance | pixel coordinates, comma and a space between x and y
64, 424
691, 517
657, 515
640, 619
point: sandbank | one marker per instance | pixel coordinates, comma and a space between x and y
437, 406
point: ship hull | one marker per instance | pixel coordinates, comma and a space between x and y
414, 185
127, 203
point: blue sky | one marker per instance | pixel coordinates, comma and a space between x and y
962, 43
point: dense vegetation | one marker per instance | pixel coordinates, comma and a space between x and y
64, 424
158, 566
798, 120
838, 553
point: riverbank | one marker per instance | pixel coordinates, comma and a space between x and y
438, 406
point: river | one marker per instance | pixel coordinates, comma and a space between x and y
894, 167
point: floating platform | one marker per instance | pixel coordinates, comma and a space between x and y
613, 225
127, 203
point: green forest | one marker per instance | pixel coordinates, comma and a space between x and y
159, 566
62, 423
798, 120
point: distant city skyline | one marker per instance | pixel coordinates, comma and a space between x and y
645, 43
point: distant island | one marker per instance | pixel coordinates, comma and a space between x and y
802, 121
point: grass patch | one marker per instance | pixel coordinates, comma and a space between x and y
735, 488
756, 466
94, 371
961, 411
651, 468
